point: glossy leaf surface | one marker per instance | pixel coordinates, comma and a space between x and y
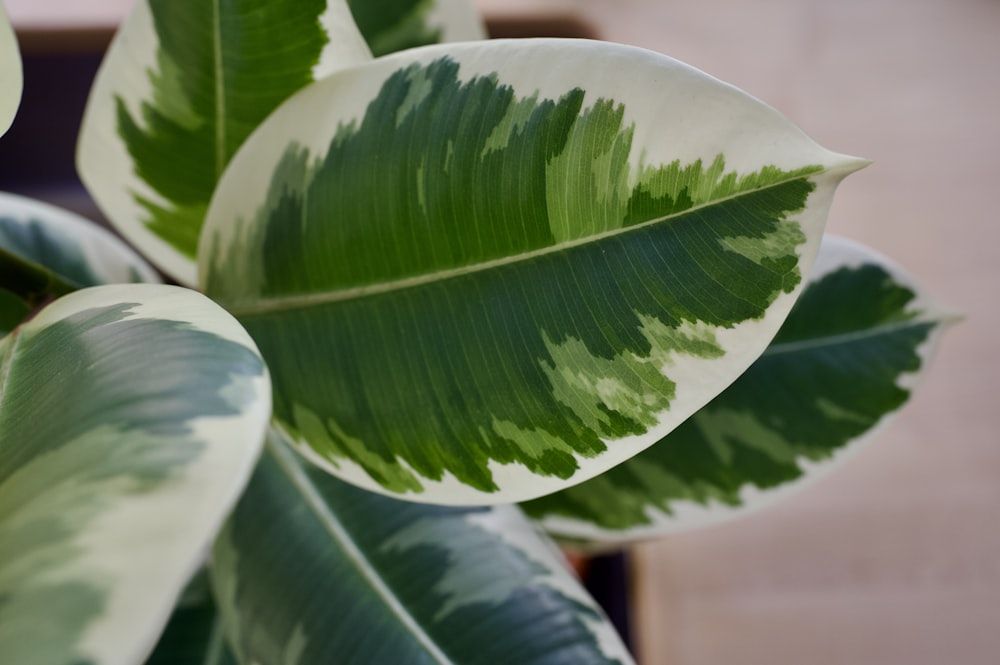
312, 570
394, 25
846, 358
183, 84
11, 76
46, 252
130, 419
478, 281
74, 248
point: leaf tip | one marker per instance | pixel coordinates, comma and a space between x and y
948, 318
845, 165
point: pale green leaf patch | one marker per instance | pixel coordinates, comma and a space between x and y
11, 75
130, 418
524, 282
183, 84
847, 358
490, 589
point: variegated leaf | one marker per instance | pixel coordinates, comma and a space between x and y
394, 25
845, 360
130, 419
46, 252
311, 570
76, 249
478, 280
184, 83
11, 77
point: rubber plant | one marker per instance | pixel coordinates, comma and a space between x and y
435, 284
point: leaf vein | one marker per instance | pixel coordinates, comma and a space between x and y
220, 91
289, 465
6, 363
844, 338
263, 306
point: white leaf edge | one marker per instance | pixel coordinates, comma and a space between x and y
113, 546
458, 20
518, 532
613, 70
106, 255
836, 253
11, 73
103, 161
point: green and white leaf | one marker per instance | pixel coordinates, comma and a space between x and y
478, 280
847, 358
311, 570
130, 419
46, 251
182, 86
11, 75
394, 25
74, 248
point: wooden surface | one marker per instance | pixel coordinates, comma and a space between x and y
896, 557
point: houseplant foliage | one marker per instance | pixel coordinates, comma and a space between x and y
91, 451
474, 280
11, 83
846, 358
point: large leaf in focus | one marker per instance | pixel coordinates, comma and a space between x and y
311, 570
130, 419
11, 76
846, 358
525, 282
394, 25
46, 252
478, 280
183, 85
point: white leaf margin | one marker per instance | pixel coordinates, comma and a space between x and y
510, 525
102, 157
505, 524
106, 255
706, 118
121, 543
458, 20
346, 46
11, 74
837, 252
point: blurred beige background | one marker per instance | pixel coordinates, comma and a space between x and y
895, 558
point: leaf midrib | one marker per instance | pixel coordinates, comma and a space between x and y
7, 362
220, 91
288, 463
826, 341
216, 649
262, 306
